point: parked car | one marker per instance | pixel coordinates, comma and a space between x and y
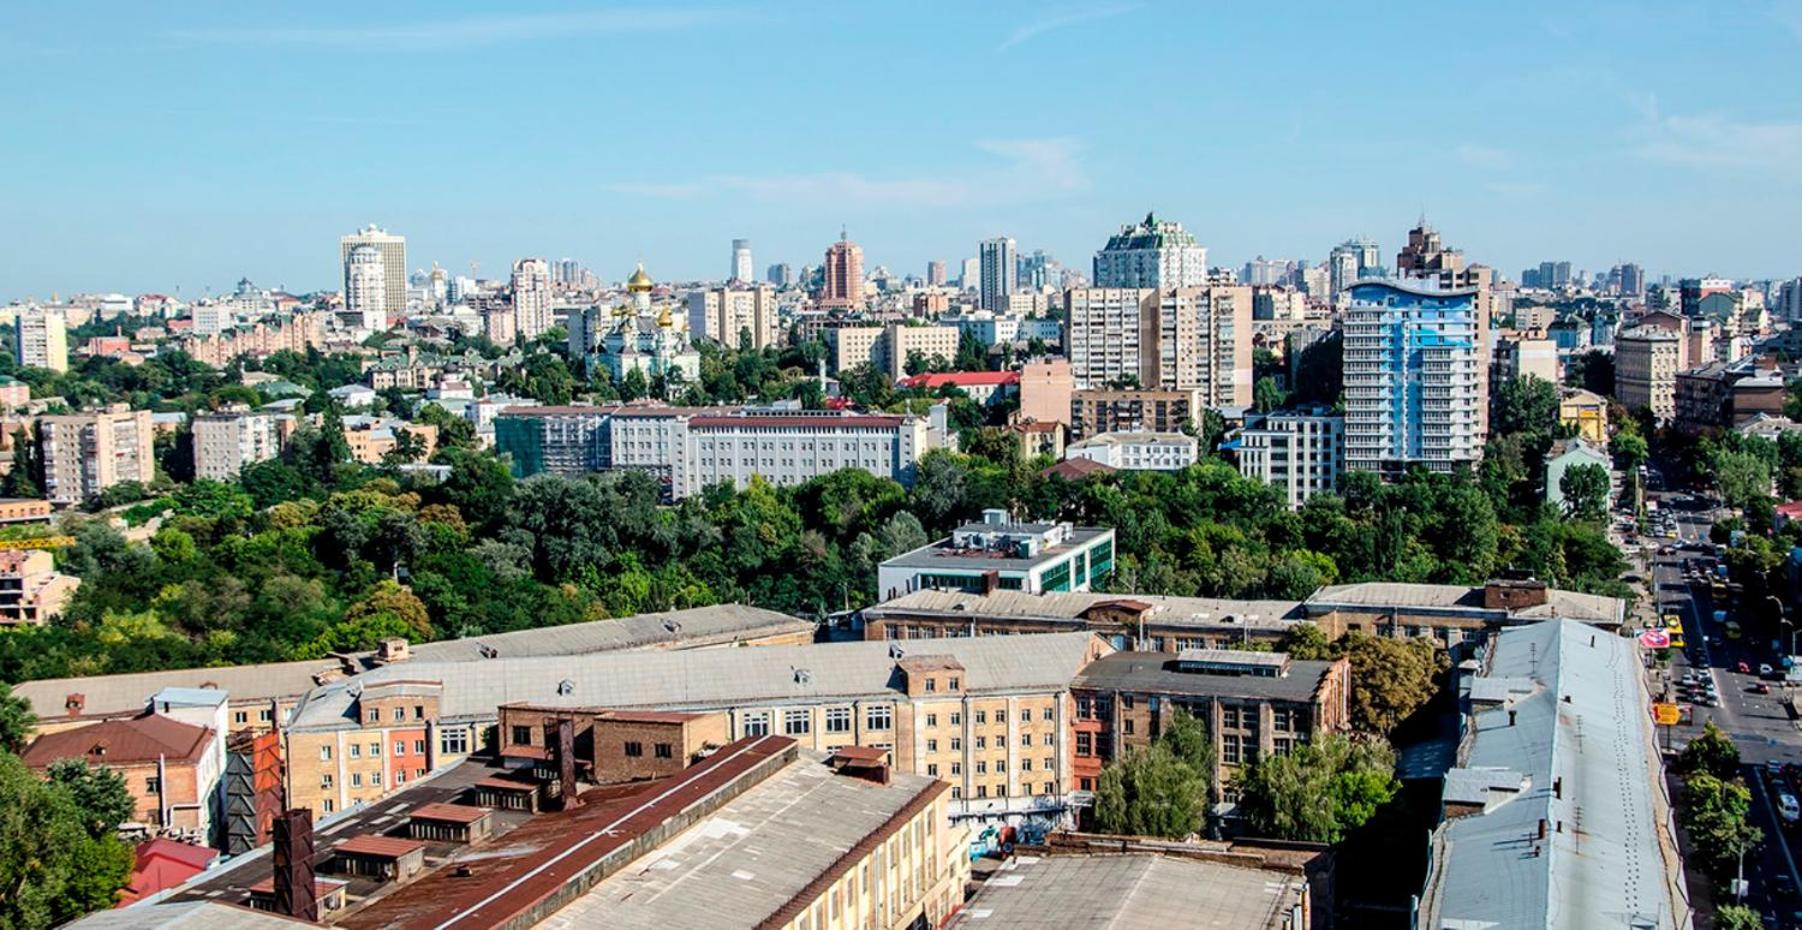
1788, 809
1742, 668
1761, 688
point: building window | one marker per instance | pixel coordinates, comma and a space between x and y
375, 778
664, 751
634, 749
952, 686
356, 779
982, 742
879, 718
982, 791
419, 747
982, 717
932, 769
326, 805
356, 750
400, 747
375, 749
1229, 718
522, 735
265, 715
325, 753
757, 723
400, 713
838, 719
957, 768
1025, 765
1085, 709
932, 745
419, 712
241, 717
957, 720
154, 784
1025, 715
1085, 745
1229, 749
932, 685
982, 767
932, 720
454, 742
1026, 739
797, 723
1048, 715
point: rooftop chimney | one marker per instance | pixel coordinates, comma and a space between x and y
865, 762
293, 857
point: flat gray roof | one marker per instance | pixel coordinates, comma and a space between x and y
1607, 858
107, 695
1381, 595
941, 554
187, 915
1137, 890
749, 858
1209, 612
1156, 672
704, 679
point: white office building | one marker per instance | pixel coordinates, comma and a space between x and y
1301, 452
531, 297
393, 250
1154, 253
365, 290
741, 261
998, 274
1137, 451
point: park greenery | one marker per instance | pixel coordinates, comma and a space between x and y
1319, 791
1714, 805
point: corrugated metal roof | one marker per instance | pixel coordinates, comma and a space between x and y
111, 695
1139, 890
715, 678
1574, 605
187, 915
1583, 738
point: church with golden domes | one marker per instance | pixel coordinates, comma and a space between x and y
639, 334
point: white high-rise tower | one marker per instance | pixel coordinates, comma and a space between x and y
366, 288
531, 297
394, 263
741, 261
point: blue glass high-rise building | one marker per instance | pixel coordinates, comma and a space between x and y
1413, 377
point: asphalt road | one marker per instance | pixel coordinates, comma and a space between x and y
1760, 724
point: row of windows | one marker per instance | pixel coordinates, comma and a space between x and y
982, 742
800, 722
374, 714
982, 791
355, 750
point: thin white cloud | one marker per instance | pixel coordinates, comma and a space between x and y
1032, 169
1715, 141
438, 35
1486, 157
1064, 19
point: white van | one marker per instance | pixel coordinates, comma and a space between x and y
1787, 808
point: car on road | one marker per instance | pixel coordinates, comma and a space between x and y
1743, 668
1788, 809
1760, 688
1765, 670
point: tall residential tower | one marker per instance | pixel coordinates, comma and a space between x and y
1154, 253
393, 249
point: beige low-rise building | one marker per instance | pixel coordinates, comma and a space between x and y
32, 591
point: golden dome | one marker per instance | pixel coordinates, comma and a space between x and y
663, 318
639, 281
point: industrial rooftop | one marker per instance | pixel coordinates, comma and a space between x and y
1565, 822
1136, 890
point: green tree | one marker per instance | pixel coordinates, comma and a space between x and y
408, 448
17, 721
1161, 789
1737, 917
1318, 791
1712, 753
1716, 813
1391, 679
52, 869
99, 794
1526, 405
1307, 641
1267, 395
1741, 477
1630, 449
1585, 490
23, 481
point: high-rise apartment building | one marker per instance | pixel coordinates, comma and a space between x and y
566, 271
1414, 377
43, 339
843, 284
935, 274
735, 316
86, 453
365, 291
1185, 339
393, 249
227, 440
1153, 253
741, 261
531, 297
1426, 259
781, 274
1349, 261
998, 274
969, 274
1646, 362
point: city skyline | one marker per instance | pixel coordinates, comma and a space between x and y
214, 146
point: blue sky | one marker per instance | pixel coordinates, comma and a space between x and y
150, 147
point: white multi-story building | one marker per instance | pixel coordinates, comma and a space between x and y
43, 339
789, 448
531, 297
1415, 375
86, 453
1137, 451
1154, 253
1037, 558
393, 249
741, 261
690, 448
1646, 362
728, 315
365, 290
1301, 452
227, 440
999, 272
212, 317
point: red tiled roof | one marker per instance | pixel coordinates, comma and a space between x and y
113, 742
1791, 509
384, 847
960, 379
1078, 469
454, 813
163, 864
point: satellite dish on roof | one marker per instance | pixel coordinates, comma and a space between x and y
566, 686
895, 651
672, 625
486, 651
